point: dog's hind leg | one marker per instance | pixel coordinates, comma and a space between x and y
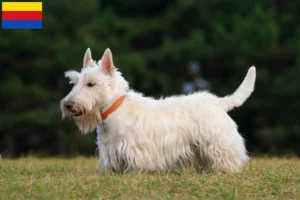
224, 153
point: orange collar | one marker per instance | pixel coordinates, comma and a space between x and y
113, 107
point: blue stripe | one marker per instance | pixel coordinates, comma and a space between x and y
21, 24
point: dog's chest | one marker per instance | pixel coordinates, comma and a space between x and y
111, 131
105, 127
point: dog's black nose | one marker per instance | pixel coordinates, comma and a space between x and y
69, 104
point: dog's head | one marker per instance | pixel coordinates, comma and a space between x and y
96, 87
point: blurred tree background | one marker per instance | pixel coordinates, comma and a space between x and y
152, 42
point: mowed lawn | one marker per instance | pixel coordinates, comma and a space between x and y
79, 178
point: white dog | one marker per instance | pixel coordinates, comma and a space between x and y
142, 134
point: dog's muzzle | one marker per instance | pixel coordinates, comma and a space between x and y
69, 105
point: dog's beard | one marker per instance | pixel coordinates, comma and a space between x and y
88, 121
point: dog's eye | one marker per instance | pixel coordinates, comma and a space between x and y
90, 84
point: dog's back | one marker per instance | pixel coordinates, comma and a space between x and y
202, 99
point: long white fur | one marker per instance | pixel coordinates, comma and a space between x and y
146, 134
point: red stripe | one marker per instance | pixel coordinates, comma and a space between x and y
22, 15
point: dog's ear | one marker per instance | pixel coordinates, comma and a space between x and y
73, 76
107, 62
87, 57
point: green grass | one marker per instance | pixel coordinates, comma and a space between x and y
32, 178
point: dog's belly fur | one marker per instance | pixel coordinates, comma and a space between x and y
150, 135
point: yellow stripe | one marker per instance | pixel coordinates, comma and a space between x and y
22, 6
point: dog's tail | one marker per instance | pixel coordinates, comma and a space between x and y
242, 93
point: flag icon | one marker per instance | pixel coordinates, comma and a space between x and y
22, 15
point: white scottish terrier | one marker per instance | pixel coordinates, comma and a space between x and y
142, 134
